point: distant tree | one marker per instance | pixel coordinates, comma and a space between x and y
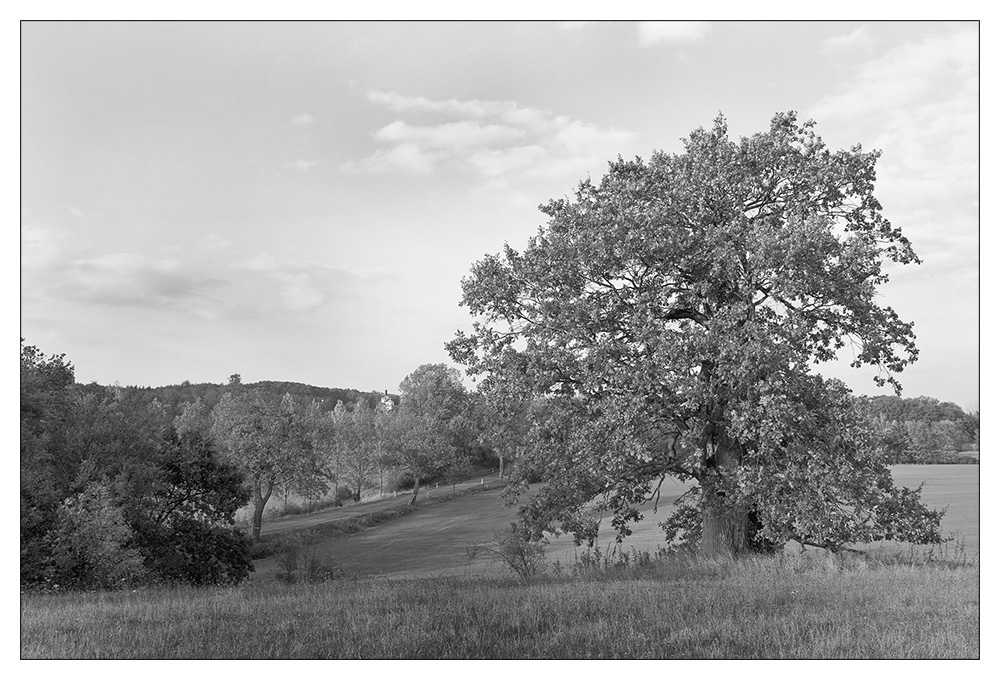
312, 474
430, 425
503, 425
434, 390
383, 458
420, 447
970, 423
361, 460
265, 438
338, 443
235, 379
669, 315
194, 418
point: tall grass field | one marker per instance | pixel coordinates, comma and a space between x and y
916, 603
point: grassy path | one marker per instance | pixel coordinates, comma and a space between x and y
296, 522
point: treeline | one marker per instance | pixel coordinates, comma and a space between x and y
116, 490
923, 429
174, 397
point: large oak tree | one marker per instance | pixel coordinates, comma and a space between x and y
666, 321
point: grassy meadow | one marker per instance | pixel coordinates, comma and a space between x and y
409, 591
791, 606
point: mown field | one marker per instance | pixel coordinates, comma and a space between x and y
431, 602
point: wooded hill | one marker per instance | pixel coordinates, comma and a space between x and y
173, 397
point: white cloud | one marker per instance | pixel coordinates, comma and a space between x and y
74, 211
581, 137
493, 138
919, 104
497, 162
39, 248
303, 119
573, 25
301, 165
507, 112
406, 158
907, 74
852, 40
654, 32
462, 134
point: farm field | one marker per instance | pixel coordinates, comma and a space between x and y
955, 487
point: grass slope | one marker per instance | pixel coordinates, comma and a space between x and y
800, 606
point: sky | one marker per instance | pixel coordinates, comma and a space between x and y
299, 201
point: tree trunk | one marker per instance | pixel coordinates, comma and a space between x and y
725, 525
416, 488
501, 467
259, 502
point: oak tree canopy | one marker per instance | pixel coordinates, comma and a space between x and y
667, 321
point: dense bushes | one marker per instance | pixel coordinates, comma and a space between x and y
111, 495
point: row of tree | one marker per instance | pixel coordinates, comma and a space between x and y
281, 444
923, 429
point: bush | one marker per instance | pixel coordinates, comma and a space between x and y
516, 550
200, 554
89, 546
299, 557
345, 495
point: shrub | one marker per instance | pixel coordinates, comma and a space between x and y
89, 546
299, 557
516, 550
345, 495
201, 554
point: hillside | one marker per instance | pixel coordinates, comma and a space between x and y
173, 397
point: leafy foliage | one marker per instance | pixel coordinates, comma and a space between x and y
429, 435
112, 494
664, 322
89, 546
268, 439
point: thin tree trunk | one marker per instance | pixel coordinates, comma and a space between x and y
259, 502
416, 488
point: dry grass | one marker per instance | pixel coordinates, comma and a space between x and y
793, 606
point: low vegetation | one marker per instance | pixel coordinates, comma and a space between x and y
810, 605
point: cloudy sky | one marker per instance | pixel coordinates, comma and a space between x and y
299, 201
